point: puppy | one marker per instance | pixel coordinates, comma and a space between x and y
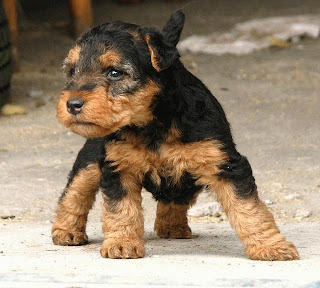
151, 123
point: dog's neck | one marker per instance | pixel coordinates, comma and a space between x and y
188, 105
164, 108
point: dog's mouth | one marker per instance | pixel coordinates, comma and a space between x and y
83, 125
79, 123
88, 129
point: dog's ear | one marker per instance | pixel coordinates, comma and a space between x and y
172, 30
162, 44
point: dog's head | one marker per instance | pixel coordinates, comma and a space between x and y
113, 74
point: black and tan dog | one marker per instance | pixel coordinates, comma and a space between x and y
151, 123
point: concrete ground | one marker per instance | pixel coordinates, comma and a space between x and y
213, 258
272, 101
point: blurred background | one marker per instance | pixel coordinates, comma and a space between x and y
265, 71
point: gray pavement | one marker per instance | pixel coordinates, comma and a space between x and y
212, 258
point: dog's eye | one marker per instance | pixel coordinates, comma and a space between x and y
114, 74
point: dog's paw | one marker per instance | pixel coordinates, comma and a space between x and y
119, 248
69, 238
281, 251
174, 232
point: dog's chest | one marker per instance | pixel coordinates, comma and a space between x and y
167, 189
163, 172
173, 171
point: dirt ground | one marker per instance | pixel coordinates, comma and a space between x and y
271, 99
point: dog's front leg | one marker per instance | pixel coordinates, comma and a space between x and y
122, 224
74, 205
122, 220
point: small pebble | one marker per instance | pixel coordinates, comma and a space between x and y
295, 38
9, 110
7, 217
39, 102
277, 42
205, 209
292, 196
302, 214
268, 202
35, 93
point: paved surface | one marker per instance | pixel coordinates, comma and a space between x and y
213, 258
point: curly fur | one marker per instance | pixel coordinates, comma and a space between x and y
151, 123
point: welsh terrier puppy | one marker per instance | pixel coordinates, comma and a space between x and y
151, 123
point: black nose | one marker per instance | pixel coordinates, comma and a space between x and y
74, 106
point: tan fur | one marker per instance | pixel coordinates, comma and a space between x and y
70, 224
131, 160
173, 135
109, 59
73, 55
103, 114
172, 222
122, 223
254, 225
250, 217
172, 160
153, 55
123, 220
136, 35
106, 110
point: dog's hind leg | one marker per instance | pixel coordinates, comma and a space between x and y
253, 222
229, 174
77, 198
